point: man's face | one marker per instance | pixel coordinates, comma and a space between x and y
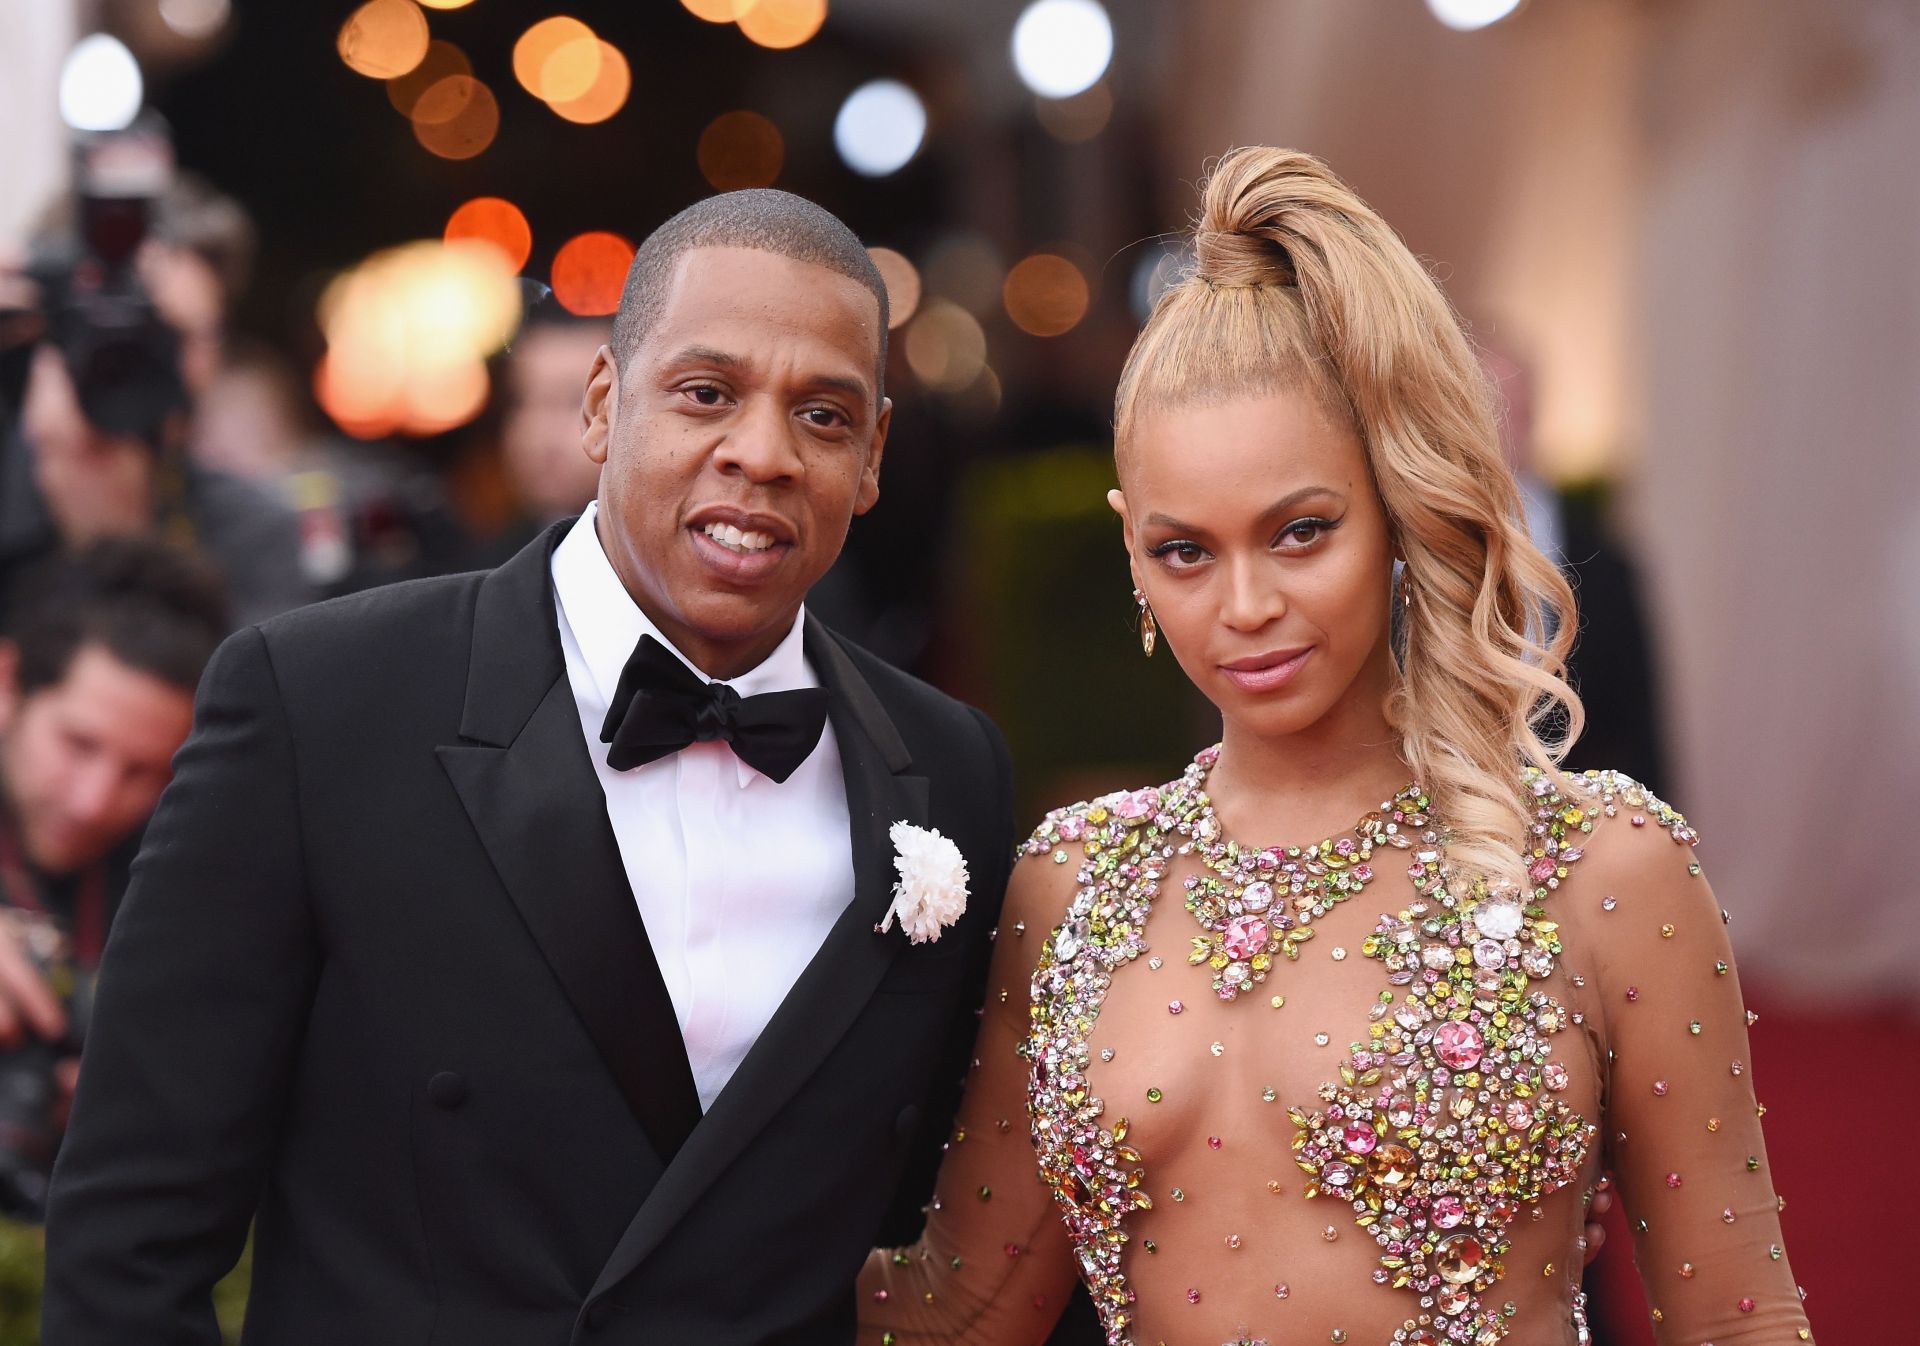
740, 440
83, 761
540, 436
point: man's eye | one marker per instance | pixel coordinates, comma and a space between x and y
825, 418
705, 394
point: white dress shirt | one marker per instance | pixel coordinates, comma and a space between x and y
737, 877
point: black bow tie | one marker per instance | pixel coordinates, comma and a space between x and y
661, 706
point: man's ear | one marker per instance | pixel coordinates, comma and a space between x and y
597, 405
9, 684
869, 493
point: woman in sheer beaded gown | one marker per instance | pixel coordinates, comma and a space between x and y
1257, 1086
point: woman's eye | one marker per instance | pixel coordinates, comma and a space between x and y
1180, 555
1302, 533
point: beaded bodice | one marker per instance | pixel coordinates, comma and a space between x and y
1301, 1104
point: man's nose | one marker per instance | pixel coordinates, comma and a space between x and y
760, 445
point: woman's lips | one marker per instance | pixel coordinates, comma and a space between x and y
1266, 672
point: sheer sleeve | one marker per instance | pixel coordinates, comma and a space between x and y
994, 1266
1682, 1124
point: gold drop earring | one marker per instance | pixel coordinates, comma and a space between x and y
1149, 631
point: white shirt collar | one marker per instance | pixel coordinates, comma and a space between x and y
607, 624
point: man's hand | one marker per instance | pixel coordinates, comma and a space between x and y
27, 1003
1596, 1212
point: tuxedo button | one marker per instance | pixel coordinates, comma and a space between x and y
447, 1090
597, 1313
908, 1119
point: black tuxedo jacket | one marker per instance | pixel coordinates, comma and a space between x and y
381, 978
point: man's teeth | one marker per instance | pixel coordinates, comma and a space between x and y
734, 540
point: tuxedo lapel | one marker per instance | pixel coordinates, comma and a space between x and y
526, 781
837, 983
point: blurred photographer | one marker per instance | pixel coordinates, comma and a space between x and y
99, 448
98, 666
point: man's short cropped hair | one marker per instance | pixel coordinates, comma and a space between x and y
762, 218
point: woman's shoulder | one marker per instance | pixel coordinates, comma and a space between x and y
1615, 832
1094, 825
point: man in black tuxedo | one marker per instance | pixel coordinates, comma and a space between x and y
522, 980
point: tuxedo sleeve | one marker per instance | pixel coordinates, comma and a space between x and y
203, 995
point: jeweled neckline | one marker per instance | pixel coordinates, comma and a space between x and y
1254, 903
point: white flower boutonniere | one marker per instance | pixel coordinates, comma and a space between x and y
932, 891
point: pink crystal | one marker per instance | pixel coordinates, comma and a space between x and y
1746, 1306
1555, 1075
1541, 869
1363, 873
1244, 937
1134, 805
1673, 1179
1174, 1007
1448, 1211
1458, 1045
1360, 1138
1257, 896
1344, 846
1193, 1296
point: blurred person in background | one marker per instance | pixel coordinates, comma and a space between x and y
1304, 441
1611, 664
99, 661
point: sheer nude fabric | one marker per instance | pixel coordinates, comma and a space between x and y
1200, 1110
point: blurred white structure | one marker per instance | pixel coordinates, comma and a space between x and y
35, 36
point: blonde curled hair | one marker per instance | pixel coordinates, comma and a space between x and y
1299, 285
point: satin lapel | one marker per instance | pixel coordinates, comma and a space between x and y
529, 788
837, 983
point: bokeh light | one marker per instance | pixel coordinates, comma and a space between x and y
195, 19
589, 272
1061, 47
408, 332
1079, 118
969, 270
718, 11
1466, 15
442, 60
782, 23
608, 94
100, 86
446, 4
384, 39
946, 348
1046, 295
557, 59
902, 280
740, 149
880, 127
456, 118
493, 220
1160, 267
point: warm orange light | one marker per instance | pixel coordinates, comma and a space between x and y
1046, 295
740, 149
442, 60
1079, 118
608, 94
440, 399
783, 23
903, 284
493, 220
718, 11
365, 407
446, 4
945, 347
590, 271
384, 39
457, 118
557, 59
967, 269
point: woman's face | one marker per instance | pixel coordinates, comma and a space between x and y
1254, 529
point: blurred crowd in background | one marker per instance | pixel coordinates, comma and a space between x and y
295, 300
